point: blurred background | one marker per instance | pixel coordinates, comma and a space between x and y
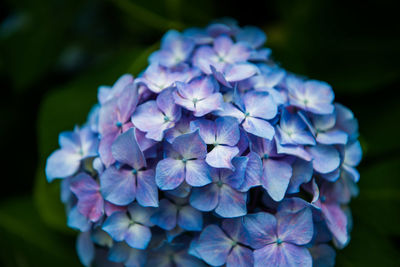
55, 53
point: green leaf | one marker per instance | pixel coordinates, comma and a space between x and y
24, 237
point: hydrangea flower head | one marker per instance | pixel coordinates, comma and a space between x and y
214, 155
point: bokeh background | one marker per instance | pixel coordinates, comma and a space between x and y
55, 53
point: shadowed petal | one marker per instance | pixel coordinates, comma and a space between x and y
116, 225
240, 257
232, 203
253, 172
302, 173
213, 245
283, 255
105, 148
165, 216
170, 173
85, 248
118, 186
127, 102
261, 228
205, 198
336, 221
190, 219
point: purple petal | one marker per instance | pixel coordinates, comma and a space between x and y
227, 109
207, 130
148, 118
295, 228
138, 236
190, 146
239, 72
221, 156
147, 192
240, 257
116, 225
325, 158
190, 219
125, 149
261, 228
61, 164
118, 186
336, 221
170, 173
209, 104
227, 131
127, 102
90, 200
105, 148
165, 216
197, 173
259, 127
260, 105
253, 172
213, 245
232, 203
205, 198
254, 36
236, 179
283, 255
166, 104
222, 45
298, 151
276, 178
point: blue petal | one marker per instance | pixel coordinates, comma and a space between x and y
61, 164
77, 221
116, 225
170, 173
325, 158
197, 173
165, 216
259, 127
85, 248
276, 178
221, 156
138, 236
118, 186
190, 145
227, 131
125, 149
232, 203
213, 245
261, 228
190, 219
240, 257
147, 192
205, 198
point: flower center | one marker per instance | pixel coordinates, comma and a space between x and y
134, 171
220, 183
246, 114
279, 241
265, 156
118, 124
323, 199
166, 118
184, 160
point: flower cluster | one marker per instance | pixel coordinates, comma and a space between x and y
214, 155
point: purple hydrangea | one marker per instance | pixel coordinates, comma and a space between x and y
214, 155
